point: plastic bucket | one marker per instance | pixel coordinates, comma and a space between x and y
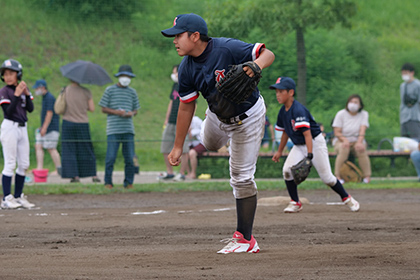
40, 175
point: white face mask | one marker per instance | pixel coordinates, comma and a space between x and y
124, 81
38, 92
353, 107
405, 77
174, 77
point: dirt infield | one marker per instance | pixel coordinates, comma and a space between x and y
176, 236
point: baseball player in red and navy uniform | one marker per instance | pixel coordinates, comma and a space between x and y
297, 123
206, 61
15, 100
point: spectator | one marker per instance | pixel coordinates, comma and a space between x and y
415, 158
350, 126
268, 134
321, 126
77, 156
168, 137
278, 134
196, 147
47, 136
120, 103
15, 100
410, 107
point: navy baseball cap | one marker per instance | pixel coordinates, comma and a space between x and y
125, 70
40, 83
186, 22
284, 83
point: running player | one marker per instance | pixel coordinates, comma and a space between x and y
206, 60
297, 123
15, 100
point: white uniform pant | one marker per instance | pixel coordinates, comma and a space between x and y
245, 141
15, 142
321, 160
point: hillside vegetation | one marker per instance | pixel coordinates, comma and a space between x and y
365, 59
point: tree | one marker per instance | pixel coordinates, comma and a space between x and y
237, 18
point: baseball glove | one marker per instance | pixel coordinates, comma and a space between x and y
236, 85
300, 171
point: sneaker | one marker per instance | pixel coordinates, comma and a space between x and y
238, 244
22, 200
165, 176
129, 186
293, 207
9, 202
341, 181
352, 203
109, 186
179, 177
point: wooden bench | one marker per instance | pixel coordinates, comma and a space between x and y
372, 153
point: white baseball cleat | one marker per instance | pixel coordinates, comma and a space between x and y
293, 207
22, 200
352, 203
238, 244
9, 202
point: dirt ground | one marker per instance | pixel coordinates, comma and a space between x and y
176, 236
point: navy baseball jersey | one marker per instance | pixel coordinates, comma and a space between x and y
7, 95
295, 121
200, 74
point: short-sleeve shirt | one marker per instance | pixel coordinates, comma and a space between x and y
7, 94
350, 124
77, 104
119, 98
48, 101
174, 96
295, 121
200, 74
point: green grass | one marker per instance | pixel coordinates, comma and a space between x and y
272, 185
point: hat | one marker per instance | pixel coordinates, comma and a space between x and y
284, 83
40, 83
186, 22
125, 70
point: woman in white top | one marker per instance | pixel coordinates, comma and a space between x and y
349, 126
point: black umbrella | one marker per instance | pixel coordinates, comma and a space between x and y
85, 72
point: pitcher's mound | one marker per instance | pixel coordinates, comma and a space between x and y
278, 200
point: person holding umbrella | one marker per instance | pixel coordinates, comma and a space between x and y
77, 154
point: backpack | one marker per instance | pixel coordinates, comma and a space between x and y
60, 102
350, 172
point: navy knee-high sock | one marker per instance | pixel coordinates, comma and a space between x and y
292, 189
245, 211
19, 182
6, 182
338, 188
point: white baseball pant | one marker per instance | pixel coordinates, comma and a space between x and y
321, 160
245, 141
15, 142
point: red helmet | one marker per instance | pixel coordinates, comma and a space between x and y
13, 65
